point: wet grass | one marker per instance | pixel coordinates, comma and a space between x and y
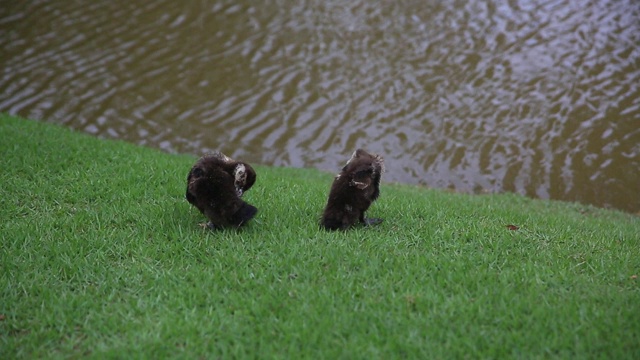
101, 256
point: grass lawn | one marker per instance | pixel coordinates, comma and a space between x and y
101, 256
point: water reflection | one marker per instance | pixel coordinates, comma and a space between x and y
535, 97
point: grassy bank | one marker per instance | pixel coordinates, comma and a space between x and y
102, 256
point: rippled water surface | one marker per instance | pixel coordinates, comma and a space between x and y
536, 97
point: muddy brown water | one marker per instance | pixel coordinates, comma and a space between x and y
536, 97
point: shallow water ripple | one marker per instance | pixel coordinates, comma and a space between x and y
535, 97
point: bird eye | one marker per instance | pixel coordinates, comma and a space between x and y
198, 172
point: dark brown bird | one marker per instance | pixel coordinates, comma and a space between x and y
352, 192
215, 185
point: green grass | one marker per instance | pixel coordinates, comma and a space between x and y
101, 256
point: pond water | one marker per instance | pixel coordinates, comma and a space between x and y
536, 97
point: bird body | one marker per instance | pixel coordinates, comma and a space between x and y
354, 189
215, 185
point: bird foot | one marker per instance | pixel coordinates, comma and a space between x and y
209, 225
372, 221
